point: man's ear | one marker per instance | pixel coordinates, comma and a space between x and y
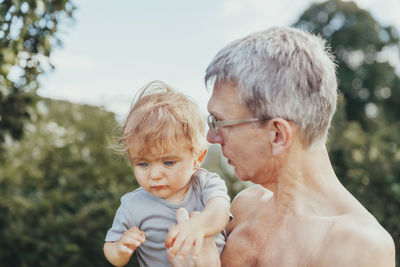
200, 159
280, 134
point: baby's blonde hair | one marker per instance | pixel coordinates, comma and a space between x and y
161, 118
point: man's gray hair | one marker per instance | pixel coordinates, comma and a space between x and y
282, 72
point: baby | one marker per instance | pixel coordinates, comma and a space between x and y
164, 139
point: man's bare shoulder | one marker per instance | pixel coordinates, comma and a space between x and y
248, 197
356, 241
245, 203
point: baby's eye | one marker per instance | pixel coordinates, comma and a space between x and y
169, 163
142, 164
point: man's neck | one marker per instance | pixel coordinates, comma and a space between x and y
308, 185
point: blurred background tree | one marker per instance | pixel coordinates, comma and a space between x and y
60, 186
365, 136
29, 32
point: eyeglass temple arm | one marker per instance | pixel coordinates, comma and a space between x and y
234, 122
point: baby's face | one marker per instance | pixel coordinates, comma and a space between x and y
166, 175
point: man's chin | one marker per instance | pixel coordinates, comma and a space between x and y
244, 179
241, 176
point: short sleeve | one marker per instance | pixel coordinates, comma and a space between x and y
122, 222
211, 186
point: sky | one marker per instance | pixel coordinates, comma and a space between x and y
115, 47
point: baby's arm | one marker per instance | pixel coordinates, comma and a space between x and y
119, 252
209, 222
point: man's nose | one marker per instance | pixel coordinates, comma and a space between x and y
214, 138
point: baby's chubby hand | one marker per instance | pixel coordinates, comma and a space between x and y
130, 240
182, 236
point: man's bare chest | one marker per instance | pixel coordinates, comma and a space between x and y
259, 241
248, 240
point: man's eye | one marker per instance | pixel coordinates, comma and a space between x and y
142, 164
169, 163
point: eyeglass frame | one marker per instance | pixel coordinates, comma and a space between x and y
214, 125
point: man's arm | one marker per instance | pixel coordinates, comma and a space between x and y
208, 222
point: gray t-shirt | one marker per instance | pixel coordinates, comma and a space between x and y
154, 215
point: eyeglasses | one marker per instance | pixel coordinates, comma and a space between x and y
214, 124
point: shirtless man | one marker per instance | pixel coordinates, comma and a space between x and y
274, 95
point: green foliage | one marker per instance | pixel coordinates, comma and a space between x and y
365, 135
362, 47
28, 35
60, 188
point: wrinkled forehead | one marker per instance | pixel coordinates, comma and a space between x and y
226, 99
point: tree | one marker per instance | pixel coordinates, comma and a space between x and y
60, 187
28, 35
365, 134
362, 46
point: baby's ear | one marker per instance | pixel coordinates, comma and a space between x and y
200, 159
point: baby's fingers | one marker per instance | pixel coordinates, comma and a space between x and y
136, 234
123, 249
182, 215
132, 237
132, 240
